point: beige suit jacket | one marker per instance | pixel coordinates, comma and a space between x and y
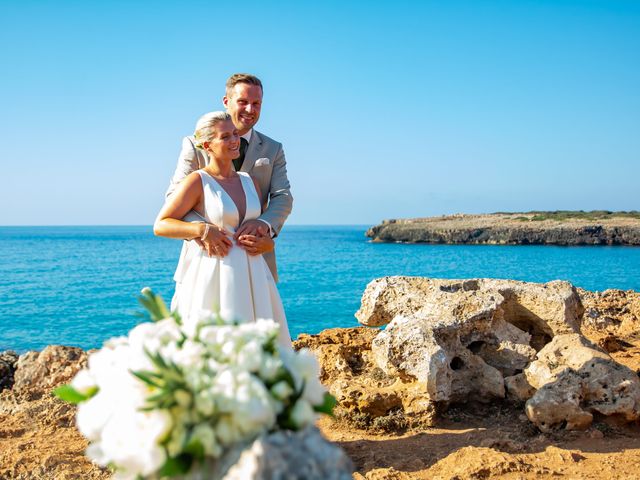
264, 160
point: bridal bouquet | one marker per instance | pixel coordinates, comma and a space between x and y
165, 399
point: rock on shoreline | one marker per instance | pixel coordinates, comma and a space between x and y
448, 342
539, 228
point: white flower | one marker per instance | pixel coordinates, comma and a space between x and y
270, 367
183, 398
189, 355
282, 390
205, 403
267, 328
178, 439
153, 336
305, 370
131, 440
93, 415
250, 357
205, 434
219, 389
302, 414
253, 408
226, 430
83, 382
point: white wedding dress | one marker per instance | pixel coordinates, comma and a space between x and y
239, 286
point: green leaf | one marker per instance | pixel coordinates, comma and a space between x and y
327, 405
176, 466
146, 377
156, 359
71, 395
195, 448
154, 305
283, 374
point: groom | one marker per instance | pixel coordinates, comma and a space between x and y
260, 156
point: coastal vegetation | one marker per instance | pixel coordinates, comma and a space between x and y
563, 215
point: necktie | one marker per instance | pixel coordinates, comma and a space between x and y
237, 163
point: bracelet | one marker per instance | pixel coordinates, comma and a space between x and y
207, 226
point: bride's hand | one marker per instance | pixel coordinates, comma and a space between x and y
256, 244
216, 241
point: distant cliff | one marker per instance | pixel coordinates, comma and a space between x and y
532, 228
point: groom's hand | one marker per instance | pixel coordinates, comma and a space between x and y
252, 227
256, 244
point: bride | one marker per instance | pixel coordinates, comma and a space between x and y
226, 276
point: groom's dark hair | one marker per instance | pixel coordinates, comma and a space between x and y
243, 78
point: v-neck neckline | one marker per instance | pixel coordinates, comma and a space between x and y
244, 192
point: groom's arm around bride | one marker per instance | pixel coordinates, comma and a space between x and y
262, 157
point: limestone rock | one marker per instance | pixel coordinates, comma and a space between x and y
518, 388
286, 455
367, 397
40, 372
542, 310
457, 345
575, 379
611, 311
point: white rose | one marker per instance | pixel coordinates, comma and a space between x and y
183, 398
205, 434
177, 440
226, 430
253, 409
302, 414
267, 328
83, 382
314, 391
93, 415
282, 390
250, 357
224, 389
303, 366
189, 356
205, 403
131, 440
269, 367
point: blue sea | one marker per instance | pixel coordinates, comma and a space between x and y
79, 285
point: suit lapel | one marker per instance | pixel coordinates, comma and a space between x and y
252, 153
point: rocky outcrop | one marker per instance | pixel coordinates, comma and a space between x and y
542, 310
459, 339
38, 437
575, 379
454, 341
366, 395
511, 229
39, 372
613, 312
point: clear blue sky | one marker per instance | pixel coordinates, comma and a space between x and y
385, 109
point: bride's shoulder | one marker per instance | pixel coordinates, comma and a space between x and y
193, 181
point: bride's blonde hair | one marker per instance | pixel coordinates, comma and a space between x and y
206, 126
